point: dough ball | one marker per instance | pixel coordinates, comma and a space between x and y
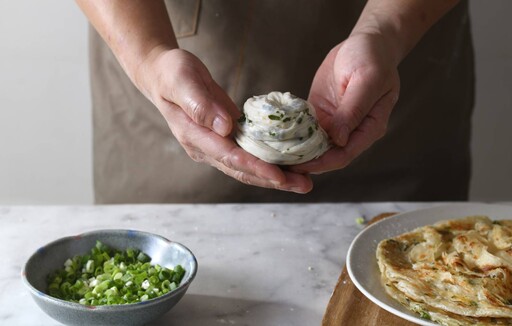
280, 128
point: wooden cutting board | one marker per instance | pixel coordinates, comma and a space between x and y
348, 306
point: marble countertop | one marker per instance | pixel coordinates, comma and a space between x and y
259, 264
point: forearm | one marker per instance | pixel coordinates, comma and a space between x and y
133, 29
401, 22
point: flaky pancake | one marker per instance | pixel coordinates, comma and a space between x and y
440, 316
458, 267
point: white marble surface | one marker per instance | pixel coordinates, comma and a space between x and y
271, 264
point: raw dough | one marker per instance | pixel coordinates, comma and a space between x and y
280, 128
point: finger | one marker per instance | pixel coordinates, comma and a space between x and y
297, 183
193, 89
227, 102
205, 107
363, 91
372, 128
237, 163
302, 182
333, 159
221, 152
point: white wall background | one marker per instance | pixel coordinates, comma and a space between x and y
45, 115
492, 119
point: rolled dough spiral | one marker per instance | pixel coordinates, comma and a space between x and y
280, 128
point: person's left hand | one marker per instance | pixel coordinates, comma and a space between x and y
353, 92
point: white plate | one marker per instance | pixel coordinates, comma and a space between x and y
362, 263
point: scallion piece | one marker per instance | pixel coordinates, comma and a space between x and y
109, 277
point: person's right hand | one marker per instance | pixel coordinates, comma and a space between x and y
200, 115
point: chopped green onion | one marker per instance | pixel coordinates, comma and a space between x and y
143, 258
89, 266
109, 277
425, 315
164, 274
360, 220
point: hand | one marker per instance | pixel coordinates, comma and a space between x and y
353, 92
200, 115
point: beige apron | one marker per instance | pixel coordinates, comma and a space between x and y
254, 47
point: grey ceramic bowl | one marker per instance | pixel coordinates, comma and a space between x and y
53, 255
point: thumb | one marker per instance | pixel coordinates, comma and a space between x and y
200, 97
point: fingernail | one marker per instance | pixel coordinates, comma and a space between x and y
298, 190
275, 182
220, 126
342, 136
